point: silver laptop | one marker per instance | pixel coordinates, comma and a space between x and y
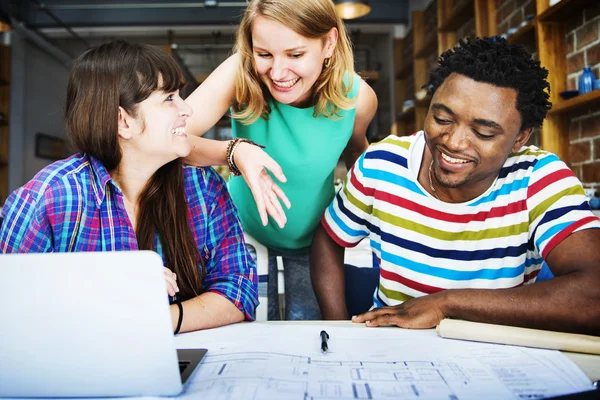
88, 325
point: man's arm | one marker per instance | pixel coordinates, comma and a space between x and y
327, 275
344, 224
570, 302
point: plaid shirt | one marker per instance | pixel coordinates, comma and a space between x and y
74, 205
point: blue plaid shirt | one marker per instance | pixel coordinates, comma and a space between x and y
74, 205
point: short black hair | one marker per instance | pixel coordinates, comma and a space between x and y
493, 60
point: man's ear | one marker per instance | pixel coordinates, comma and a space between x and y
124, 124
521, 139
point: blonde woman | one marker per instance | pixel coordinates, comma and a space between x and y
291, 87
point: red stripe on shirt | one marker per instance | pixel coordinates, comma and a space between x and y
531, 275
495, 212
409, 283
370, 192
548, 180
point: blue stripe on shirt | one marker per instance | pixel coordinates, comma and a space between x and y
484, 273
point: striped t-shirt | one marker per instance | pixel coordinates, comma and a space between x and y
424, 245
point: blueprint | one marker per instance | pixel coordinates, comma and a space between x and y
264, 361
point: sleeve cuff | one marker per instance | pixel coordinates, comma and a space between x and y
560, 236
335, 237
246, 303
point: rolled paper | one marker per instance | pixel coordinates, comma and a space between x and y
502, 334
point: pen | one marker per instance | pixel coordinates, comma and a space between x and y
324, 337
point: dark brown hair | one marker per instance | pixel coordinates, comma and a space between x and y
125, 74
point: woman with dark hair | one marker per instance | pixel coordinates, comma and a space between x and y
127, 188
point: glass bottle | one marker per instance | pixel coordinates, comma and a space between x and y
586, 81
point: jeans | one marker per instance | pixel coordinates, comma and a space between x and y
300, 300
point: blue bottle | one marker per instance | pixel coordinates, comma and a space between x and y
586, 81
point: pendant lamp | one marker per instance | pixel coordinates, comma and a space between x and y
350, 9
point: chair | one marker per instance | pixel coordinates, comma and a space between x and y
544, 274
360, 286
361, 268
261, 257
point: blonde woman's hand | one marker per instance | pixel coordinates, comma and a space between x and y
253, 163
171, 280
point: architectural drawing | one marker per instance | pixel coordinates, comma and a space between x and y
283, 363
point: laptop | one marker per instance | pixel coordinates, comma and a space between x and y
88, 325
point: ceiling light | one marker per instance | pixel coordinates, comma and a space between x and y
350, 9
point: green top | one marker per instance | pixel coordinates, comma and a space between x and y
307, 149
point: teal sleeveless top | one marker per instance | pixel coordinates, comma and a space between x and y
307, 149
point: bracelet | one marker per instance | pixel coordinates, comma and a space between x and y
228, 156
230, 152
180, 319
235, 171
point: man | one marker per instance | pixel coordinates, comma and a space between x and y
462, 215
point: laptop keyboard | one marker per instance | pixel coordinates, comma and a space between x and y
183, 365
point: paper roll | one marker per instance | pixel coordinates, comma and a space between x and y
479, 332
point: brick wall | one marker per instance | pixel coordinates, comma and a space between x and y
584, 148
583, 48
510, 13
582, 41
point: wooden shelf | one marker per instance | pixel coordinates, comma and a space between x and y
369, 75
429, 47
405, 71
407, 115
563, 11
591, 99
459, 17
424, 102
524, 35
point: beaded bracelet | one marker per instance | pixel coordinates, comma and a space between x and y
229, 155
232, 168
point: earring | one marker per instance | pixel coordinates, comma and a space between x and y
327, 62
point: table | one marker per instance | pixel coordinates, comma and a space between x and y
252, 337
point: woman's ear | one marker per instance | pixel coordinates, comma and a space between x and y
124, 124
331, 41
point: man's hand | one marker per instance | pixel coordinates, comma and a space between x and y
253, 163
420, 313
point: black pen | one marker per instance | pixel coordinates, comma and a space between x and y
324, 337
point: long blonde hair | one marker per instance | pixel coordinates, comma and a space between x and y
312, 19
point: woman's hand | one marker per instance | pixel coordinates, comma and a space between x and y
171, 280
253, 163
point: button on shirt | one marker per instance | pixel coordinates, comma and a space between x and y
74, 205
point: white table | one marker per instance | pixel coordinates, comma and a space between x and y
589, 364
